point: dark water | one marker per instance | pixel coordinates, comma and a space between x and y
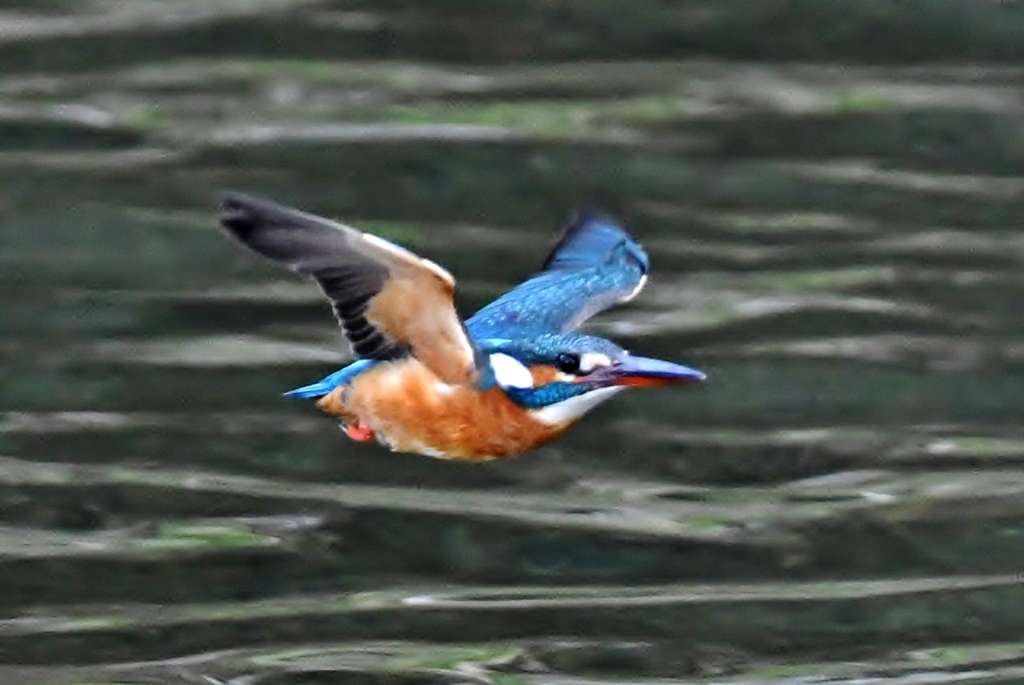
835, 240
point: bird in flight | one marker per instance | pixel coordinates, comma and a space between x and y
514, 376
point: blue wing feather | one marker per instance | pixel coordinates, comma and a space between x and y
594, 265
592, 239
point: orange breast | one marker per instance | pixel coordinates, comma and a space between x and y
411, 410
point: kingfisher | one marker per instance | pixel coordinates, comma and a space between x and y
512, 377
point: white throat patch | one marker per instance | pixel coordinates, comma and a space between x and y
569, 410
509, 372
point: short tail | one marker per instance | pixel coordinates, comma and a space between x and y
312, 391
326, 385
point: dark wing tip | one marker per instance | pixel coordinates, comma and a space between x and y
591, 238
585, 215
242, 214
577, 221
302, 242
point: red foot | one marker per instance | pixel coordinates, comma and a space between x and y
359, 432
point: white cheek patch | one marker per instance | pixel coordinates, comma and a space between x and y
564, 377
509, 372
569, 410
593, 360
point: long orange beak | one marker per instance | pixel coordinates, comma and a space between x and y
647, 372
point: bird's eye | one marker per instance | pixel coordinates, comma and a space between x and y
568, 362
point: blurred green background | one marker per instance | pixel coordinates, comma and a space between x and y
830, 191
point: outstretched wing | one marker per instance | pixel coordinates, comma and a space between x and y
389, 301
594, 265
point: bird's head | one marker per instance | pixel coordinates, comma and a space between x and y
559, 377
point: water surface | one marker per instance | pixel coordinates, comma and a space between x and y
835, 240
